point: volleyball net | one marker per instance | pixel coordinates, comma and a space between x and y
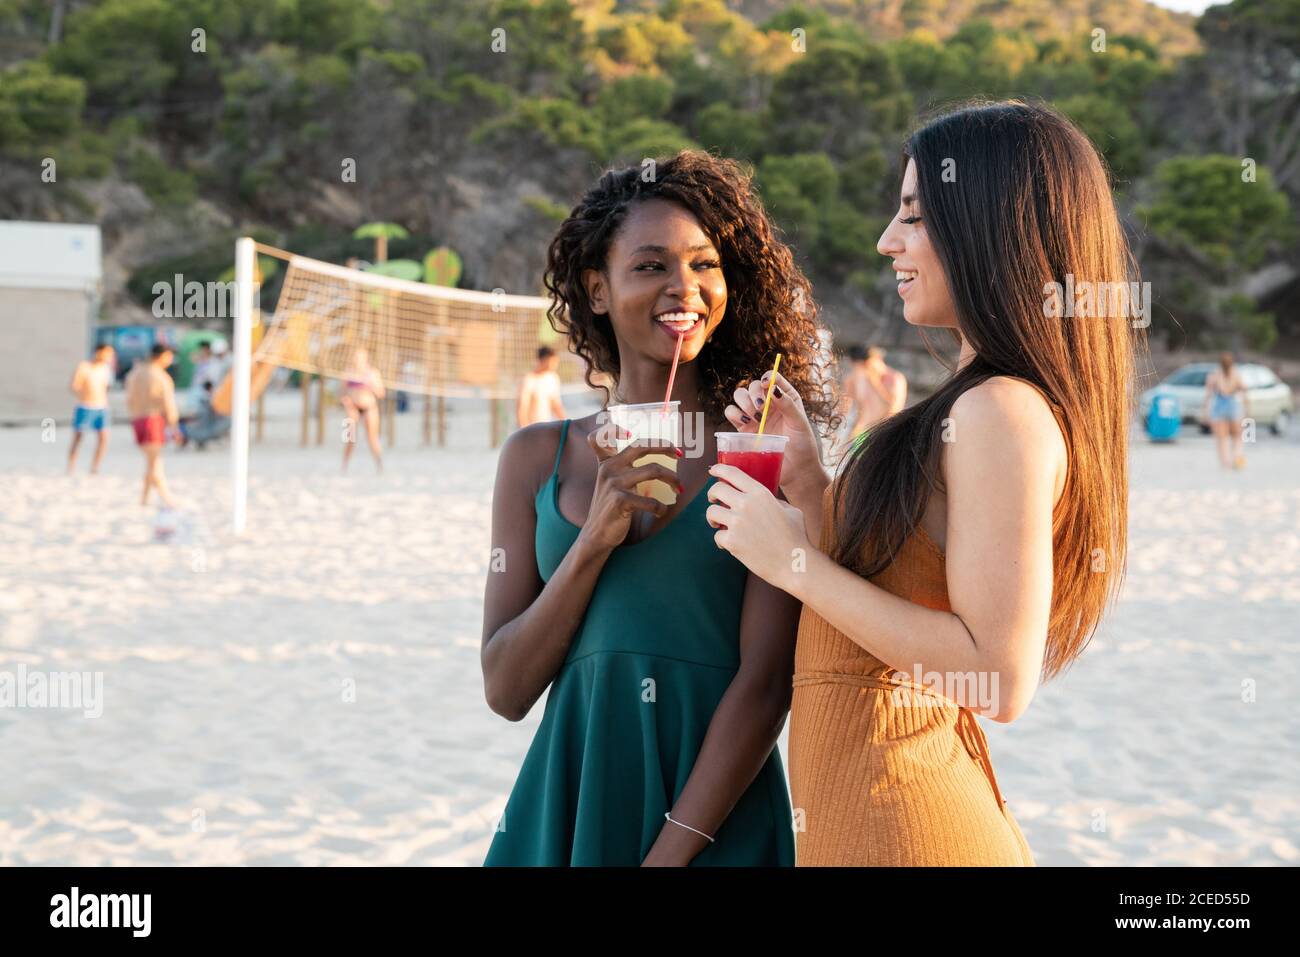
432, 340
437, 341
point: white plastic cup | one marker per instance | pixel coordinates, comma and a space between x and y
647, 421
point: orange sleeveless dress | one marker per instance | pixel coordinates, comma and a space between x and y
884, 772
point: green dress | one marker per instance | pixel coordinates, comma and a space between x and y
628, 710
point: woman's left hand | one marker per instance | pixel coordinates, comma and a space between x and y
764, 533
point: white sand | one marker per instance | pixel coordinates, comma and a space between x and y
226, 738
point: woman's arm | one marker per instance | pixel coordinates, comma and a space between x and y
744, 728
806, 494
528, 625
1002, 474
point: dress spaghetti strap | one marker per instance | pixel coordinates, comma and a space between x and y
564, 434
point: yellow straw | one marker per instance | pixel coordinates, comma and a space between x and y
767, 401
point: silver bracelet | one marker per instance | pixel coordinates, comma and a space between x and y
668, 817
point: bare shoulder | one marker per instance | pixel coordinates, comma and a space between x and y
1010, 422
528, 455
1003, 404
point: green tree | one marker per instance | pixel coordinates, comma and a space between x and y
1208, 206
37, 106
1248, 83
842, 101
1110, 126
732, 132
1210, 224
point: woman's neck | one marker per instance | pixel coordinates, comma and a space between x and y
647, 382
966, 354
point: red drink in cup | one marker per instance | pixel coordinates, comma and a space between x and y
758, 456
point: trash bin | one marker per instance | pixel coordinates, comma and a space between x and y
1165, 417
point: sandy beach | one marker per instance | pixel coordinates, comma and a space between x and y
310, 693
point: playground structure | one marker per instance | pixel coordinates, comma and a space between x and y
435, 341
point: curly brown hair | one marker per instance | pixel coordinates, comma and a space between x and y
770, 307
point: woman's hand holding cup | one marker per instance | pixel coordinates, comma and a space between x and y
786, 416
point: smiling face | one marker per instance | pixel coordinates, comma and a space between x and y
922, 283
662, 276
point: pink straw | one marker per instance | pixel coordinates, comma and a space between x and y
672, 373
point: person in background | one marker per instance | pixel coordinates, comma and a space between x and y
151, 404
845, 406
877, 390
1225, 398
539, 393
221, 363
206, 425
90, 386
363, 390
204, 368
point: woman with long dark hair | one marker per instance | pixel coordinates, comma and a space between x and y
667, 666
972, 542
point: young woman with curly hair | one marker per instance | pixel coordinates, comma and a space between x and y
972, 542
668, 665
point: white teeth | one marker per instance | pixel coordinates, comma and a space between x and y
904, 275
689, 318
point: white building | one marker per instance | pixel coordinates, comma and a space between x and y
49, 298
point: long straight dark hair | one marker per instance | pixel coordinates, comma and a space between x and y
1030, 205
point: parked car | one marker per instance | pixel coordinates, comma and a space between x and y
1270, 401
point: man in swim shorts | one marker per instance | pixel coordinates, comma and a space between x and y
90, 385
151, 403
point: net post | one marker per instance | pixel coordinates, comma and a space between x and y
320, 410
426, 431
304, 386
241, 370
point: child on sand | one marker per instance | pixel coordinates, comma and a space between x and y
90, 386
